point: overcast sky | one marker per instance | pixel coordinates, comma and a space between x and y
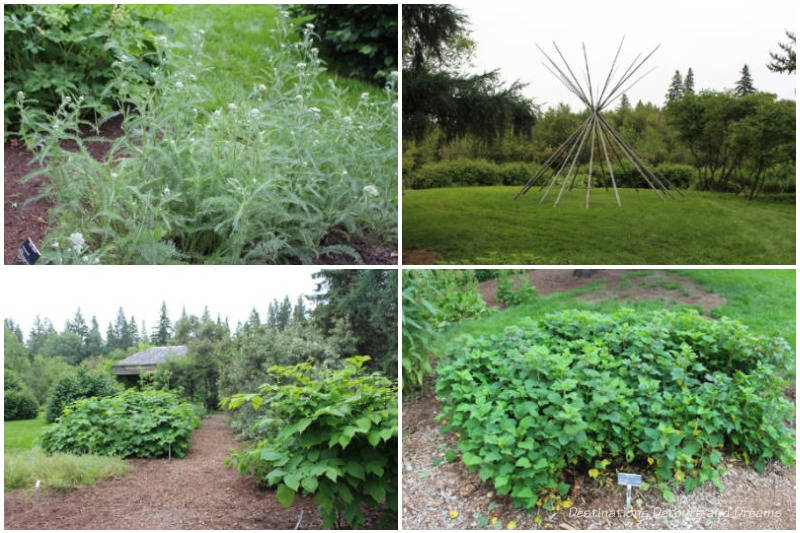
714, 38
56, 292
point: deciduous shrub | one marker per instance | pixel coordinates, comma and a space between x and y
681, 176
58, 51
664, 393
332, 434
130, 424
514, 291
82, 384
19, 403
363, 37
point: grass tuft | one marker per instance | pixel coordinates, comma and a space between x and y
58, 471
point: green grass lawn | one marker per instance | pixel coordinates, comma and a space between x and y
21, 434
484, 225
764, 300
237, 37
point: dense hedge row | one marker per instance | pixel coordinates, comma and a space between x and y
18, 401
662, 393
467, 172
130, 424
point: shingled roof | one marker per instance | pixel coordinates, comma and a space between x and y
147, 360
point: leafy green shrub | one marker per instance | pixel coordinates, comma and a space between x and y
82, 384
661, 392
466, 172
332, 434
522, 291
363, 37
19, 402
131, 424
19, 405
680, 176
433, 299
515, 173
23, 468
265, 180
58, 51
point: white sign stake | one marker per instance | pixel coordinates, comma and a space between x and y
629, 480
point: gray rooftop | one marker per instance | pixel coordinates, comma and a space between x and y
153, 356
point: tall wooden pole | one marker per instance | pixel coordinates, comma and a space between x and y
591, 158
572, 166
610, 170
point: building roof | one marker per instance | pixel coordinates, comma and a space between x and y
149, 358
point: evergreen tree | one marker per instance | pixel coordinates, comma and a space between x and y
284, 313
112, 341
688, 82
94, 342
122, 334
675, 91
206, 315
253, 321
745, 84
78, 326
133, 332
299, 312
143, 334
40, 331
787, 60
624, 103
163, 331
272, 314
13, 328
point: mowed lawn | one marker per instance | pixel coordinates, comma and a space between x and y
22, 434
485, 225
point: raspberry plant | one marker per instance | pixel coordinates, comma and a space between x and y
130, 424
665, 393
332, 434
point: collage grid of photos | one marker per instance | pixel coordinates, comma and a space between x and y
400, 266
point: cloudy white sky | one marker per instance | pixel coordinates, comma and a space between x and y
713, 38
232, 291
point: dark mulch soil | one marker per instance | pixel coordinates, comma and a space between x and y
372, 252
196, 492
30, 220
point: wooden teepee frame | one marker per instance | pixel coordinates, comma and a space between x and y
597, 130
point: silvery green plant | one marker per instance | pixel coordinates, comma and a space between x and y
264, 179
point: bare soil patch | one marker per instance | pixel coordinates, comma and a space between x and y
612, 284
420, 257
196, 492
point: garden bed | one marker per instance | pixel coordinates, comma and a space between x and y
196, 492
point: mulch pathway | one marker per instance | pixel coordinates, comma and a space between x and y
196, 492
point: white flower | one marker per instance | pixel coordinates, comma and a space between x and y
96, 261
191, 140
20, 95
113, 174
333, 85
255, 112
301, 66
285, 14
166, 191
67, 99
365, 96
348, 119
305, 164
192, 77
370, 190
315, 51
344, 173
299, 97
77, 241
309, 26
201, 32
85, 258
314, 110
262, 87
217, 113
179, 84
80, 99
194, 112
56, 245
291, 132
394, 106
232, 106
162, 39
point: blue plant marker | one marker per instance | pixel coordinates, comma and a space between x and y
28, 252
629, 480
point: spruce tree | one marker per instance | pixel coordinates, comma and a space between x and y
786, 60
133, 332
745, 84
624, 103
143, 334
78, 326
94, 342
272, 314
163, 331
688, 82
111, 338
284, 313
675, 91
122, 333
40, 331
299, 312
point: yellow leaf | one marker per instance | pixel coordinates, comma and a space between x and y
538, 519
650, 460
511, 525
493, 521
458, 435
696, 432
566, 504
593, 473
679, 476
453, 514
548, 525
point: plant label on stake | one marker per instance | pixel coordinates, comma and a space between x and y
28, 252
629, 480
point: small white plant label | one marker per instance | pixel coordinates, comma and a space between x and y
629, 480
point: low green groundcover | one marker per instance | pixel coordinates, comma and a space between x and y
662, 393
133, 423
